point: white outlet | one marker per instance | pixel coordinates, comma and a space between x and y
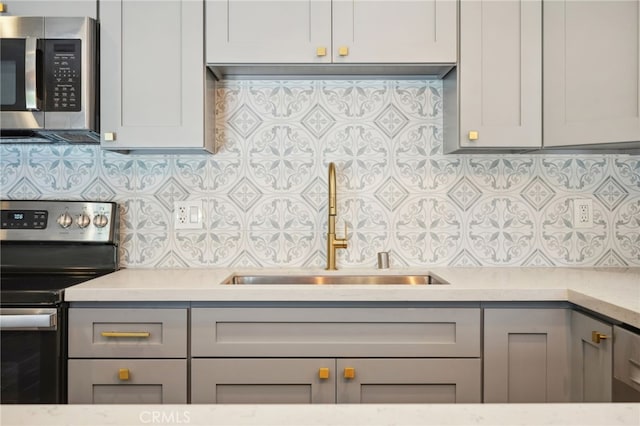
582, 213
187, 214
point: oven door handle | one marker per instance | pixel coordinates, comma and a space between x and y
28, 319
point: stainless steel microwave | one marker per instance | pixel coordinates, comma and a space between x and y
48, 79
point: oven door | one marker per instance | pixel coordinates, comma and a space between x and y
31, 361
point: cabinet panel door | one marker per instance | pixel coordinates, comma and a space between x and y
591, 361
280, 31
591, 72
395, 31
387, 381
262, 381
336, 332
99, 381
526, 355
62, 8
152, 74
500, 73
127, 333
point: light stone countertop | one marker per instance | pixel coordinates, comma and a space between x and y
613, 292
315, 415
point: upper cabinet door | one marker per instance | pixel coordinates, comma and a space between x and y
394, 31
152, 74
258, 31
591, 72
500, 74
54, 8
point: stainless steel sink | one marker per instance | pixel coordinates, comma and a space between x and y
335, 279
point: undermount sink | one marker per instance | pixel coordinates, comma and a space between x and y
335, 279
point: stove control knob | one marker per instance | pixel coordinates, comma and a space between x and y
83, 220
65, 220
100, 220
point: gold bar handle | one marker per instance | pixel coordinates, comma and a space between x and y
125, 334
123, 374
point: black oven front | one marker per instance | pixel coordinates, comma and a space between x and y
46, 247
32, 355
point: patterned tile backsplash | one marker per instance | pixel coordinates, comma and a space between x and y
265, 190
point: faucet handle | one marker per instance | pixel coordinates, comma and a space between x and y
345, 231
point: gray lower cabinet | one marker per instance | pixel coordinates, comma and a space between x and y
127, 381
127, 356
329, 355
263, 381
343, 380
526, 355
591, 359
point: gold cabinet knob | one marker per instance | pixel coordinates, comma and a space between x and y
473, 135
109, 136
596, 337
321, 51
123, 374
3, 8
349, 373
323, 373
343, 51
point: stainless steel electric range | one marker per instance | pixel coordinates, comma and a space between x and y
45, 247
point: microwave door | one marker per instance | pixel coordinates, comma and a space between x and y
20, 73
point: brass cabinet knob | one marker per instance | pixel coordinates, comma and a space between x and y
343, 51
109, 136
596, 337
349, 373
323, 373
473, 135
321, 51
3, 8
123, 374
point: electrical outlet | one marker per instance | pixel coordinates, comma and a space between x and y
187, 214
582, 213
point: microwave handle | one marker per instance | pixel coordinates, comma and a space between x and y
31, 74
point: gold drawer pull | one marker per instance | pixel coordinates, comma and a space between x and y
349, 373
123, 374
596, 337
323, 373
125, 334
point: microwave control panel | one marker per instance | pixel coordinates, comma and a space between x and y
63, 62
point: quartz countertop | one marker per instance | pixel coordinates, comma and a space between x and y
613, 292
311, 415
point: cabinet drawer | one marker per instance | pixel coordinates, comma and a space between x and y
626, 357
334, 332
127, 381
127, 333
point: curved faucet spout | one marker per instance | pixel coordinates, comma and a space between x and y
332, 190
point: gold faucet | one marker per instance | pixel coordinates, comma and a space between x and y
333, 243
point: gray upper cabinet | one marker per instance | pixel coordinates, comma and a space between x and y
591, 359
153, 80
591, 73
526, 353
492, 99
55, 8
294, 35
